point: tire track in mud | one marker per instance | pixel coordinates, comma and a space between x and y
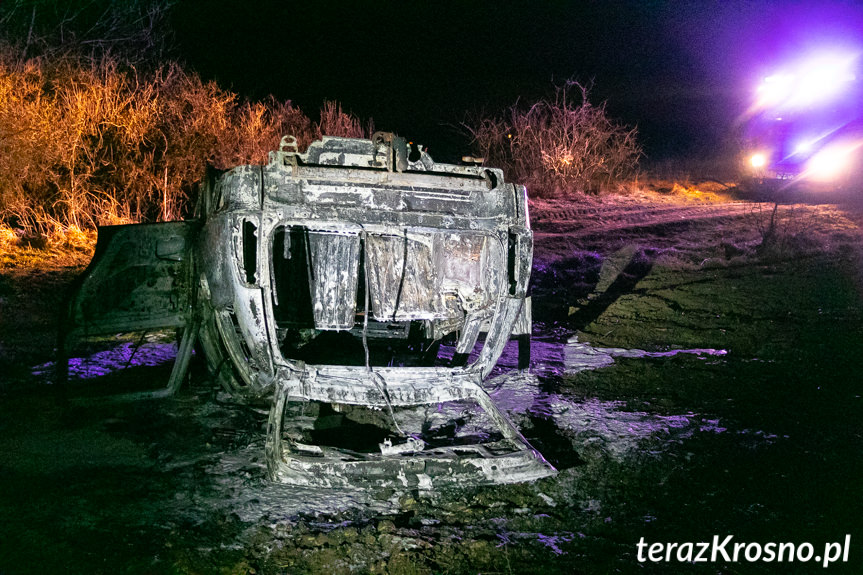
584, 220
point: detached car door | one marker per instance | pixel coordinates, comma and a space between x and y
140, 278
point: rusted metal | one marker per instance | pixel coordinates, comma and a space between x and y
333, 277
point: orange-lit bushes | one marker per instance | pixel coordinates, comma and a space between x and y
90, 141
558, 146
335, 122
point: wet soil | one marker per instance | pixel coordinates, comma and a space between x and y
752, 430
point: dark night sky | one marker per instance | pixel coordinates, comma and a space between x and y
682, 71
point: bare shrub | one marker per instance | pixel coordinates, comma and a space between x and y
335, 122
560, 145
257, 128
785, 231
104, 152
136, 31
92, 141
98, 126
26, 135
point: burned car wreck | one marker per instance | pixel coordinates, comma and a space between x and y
356, 282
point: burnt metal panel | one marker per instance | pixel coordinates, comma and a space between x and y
335, 259
402, 278
138, 279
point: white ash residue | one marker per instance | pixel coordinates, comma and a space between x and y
581, 356
607, 424
241, 486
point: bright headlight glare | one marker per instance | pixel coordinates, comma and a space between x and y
830, 163
818, 79
803, 147
758, 160
775, 89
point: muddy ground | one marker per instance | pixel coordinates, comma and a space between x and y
729, 404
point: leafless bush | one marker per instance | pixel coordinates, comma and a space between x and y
559, 145
785, 231
86, 142
98, 126
335, 122
136, 31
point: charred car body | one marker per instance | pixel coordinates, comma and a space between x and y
329, 280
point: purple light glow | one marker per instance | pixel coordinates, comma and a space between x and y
105, 362
814, 80
551, 542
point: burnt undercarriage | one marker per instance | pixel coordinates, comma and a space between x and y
374, 370
364, 289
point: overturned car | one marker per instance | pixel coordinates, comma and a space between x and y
360, 286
